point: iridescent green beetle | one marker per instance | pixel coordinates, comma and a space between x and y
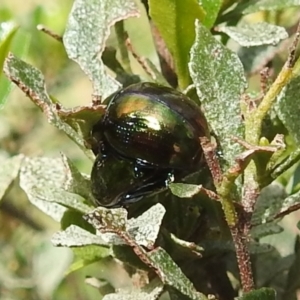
154, 128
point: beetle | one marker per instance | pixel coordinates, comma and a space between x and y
152, 129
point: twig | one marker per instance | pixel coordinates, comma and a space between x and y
210, 155
264, 77
141, 60
292, 57
46, 30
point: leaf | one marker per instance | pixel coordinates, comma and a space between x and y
39, 173
9, 171
86, 32
270, 266
255, 58
39, 183
152, 291
175, 20
270, 5
172, 276
219, 79
183, 190
31, 81
293, 280
87, 255
82, 118
7, 32
60, 196
269, 204
288, 109
76, 182
263, 230
261, 294
115, 221
56, 261
256, 34
143, 229
75, 236
19, 45
211, 8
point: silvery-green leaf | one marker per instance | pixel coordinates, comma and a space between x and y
75, 236
172, 276
270, 5
219, 79
32, 82
152, 291
9, 171
269, 203
144, 229
288, 109
76, 182
86, 32
184, 190
266, 229
255, 58
256, 34
60, 196
39, 173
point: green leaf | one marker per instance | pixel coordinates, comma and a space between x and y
287, 108
86, 32
175, 20
7, 32
87, 255
270, 5
32, 82
17, 42
9, 171
257, 34
219, 79
261, 294
211, 8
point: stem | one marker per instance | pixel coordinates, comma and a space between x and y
240, 239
